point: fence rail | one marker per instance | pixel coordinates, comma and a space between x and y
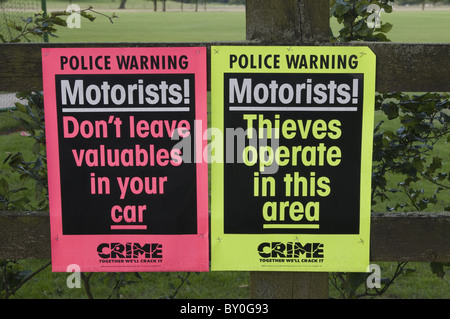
401, 67
420, 236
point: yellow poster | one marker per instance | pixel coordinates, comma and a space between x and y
291, 145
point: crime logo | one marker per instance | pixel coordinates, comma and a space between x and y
291, 252
130, 252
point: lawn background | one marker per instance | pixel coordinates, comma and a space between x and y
216, 24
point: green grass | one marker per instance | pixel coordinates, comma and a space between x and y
158, 27
215, 285
418, 282
188, 26
140, 5
149, 26
139, 23
415, 26
10, 144
419, 26
441, 149
7, 122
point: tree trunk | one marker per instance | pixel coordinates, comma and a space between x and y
122, 4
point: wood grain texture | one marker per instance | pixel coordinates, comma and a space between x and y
422, 237
401, 67
288, 285
24, 235
410, 237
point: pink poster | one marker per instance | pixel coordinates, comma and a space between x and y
128, 188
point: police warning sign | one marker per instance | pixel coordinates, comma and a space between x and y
124, 196
291, 190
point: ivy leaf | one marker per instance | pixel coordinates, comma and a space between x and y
340, 8
435, 164
390, 109
387, 8
378, 37
385, 27
437, 268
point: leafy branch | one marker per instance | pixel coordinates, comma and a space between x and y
183, 280
41, 24
422, 122
12, 276
84, 13
408, 151
16, 276
354, 15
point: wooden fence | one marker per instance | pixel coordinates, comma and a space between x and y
404, 67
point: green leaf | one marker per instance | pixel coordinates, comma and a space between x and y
354, 280
87, 16
410, 170
385, 27
59, 21
417, 163
341, 8
437, 268
387, 8
390, 109
20, 107
435, 164
379, 37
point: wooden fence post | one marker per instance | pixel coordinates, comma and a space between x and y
288, 285
293, 22
288, 21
